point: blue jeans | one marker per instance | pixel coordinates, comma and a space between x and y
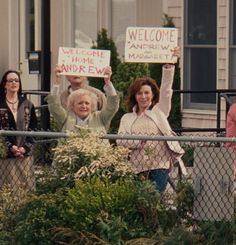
160, 177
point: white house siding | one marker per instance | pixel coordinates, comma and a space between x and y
174, 10
61, 31
195, 119
9, 41
145, 17
222, 52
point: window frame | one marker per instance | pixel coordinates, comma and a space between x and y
187, 103
75, 25
232, 45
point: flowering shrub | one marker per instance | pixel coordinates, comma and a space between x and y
88, 155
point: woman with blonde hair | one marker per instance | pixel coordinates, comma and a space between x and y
82, 107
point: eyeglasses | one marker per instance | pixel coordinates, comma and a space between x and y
13, 80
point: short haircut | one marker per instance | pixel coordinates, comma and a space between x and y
80, 92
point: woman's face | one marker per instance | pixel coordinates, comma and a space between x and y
82, 106
12, 83
144, 97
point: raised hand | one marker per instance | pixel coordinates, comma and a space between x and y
57, 72
108, 74
176, 52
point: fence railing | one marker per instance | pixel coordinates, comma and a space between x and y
209, 163
226, 94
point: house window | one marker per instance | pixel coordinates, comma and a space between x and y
85, 23
123, 15
200, 53
232, 75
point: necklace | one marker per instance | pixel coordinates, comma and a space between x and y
13, 105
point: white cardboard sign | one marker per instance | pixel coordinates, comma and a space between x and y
83, 62
150, 44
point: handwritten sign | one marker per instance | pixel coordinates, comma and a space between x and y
150, 45
83, 62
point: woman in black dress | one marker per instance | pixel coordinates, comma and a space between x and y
16, 113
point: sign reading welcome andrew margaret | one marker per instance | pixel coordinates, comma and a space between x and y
150, 45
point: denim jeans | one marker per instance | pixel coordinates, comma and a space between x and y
160, 177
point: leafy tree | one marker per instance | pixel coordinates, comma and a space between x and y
126, 73
106, 43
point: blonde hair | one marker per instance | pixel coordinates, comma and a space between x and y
81, 92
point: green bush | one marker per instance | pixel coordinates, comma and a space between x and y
90, 197
114, 211
36, 220
184, 200
50, 181
218, 232
10, 203
125, 210
94, 202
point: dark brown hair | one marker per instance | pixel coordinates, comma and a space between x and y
136, 85
4, 80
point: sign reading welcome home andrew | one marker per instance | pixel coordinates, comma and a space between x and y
150, 45
83, 62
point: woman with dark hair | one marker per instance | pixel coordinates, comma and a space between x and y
148, 110
16, 113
